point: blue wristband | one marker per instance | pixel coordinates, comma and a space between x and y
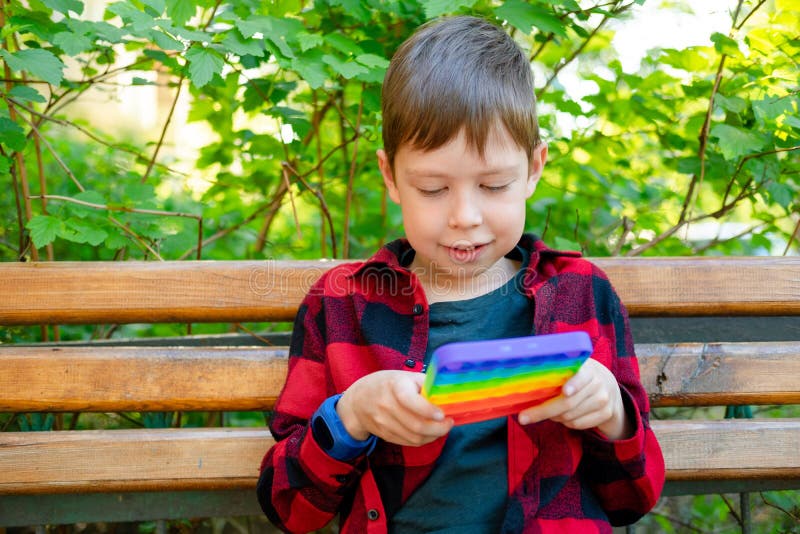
332, 436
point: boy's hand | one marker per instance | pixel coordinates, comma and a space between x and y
589, 399
388, 404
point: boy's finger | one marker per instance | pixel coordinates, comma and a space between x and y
546, 410
406, 391
579, 381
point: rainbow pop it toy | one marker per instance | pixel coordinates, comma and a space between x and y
478, 380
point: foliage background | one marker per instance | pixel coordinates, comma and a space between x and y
695, 152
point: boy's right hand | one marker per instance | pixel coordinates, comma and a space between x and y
389, 405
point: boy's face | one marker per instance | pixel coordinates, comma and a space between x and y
462, 213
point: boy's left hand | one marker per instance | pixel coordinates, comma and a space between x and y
590, 399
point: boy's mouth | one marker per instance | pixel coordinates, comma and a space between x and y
463, 253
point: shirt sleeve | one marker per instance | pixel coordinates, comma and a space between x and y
301, 487
627, 475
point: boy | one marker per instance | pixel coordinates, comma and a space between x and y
354, 436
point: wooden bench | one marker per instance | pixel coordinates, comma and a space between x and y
709, 331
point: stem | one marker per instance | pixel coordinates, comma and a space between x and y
90, 135
123, 209
164, 129
795, 234
52, 151
288, 184
322, 204
350, 180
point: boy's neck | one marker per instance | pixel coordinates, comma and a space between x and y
443, 288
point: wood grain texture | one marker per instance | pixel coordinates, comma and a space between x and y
730, 449
100, 379
708, 374
109, 379
224, 458
236, 291
131, 460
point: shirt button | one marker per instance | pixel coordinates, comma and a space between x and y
372, 514
410, 363
417, 309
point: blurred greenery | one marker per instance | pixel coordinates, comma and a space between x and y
695, 152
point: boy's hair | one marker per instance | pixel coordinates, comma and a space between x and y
454, 73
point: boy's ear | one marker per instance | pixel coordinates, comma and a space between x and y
535, 168
388, 176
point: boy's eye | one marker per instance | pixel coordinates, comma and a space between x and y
431, 192
496, 188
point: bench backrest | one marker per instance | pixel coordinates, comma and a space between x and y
101, 378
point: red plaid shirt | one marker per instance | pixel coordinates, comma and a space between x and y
367, 316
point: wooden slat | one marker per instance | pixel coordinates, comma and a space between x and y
99, 379
230, 291
730, 449
182, 459
708, 374
131, 460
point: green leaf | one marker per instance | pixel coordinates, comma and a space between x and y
44, 229
254, 25
562, 243
781, 193
180, 11
5, 166
525, 17
156, 5
165, 42
310, 68
435, 8
734, 104
243, 47
92, 197
116, 240
309, 40
204, 63
139, 193
65, 6
343, 44
25, 92
725, 45
735, 142
189, 35
79, 231
40, 63
72, 43
108, 32
139, 20
372, 61
283, 47
12, 135
348, 69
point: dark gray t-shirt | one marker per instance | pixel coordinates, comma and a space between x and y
468, 488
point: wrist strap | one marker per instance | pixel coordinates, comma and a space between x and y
329, 431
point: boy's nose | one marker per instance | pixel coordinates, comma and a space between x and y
465, 213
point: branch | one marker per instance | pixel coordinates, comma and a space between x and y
795, 235
164, 130
787, 512
350, 179
716, 241
53, 152
123, 209
580, 49
322, 204
91, 135
747, 158
273, 204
